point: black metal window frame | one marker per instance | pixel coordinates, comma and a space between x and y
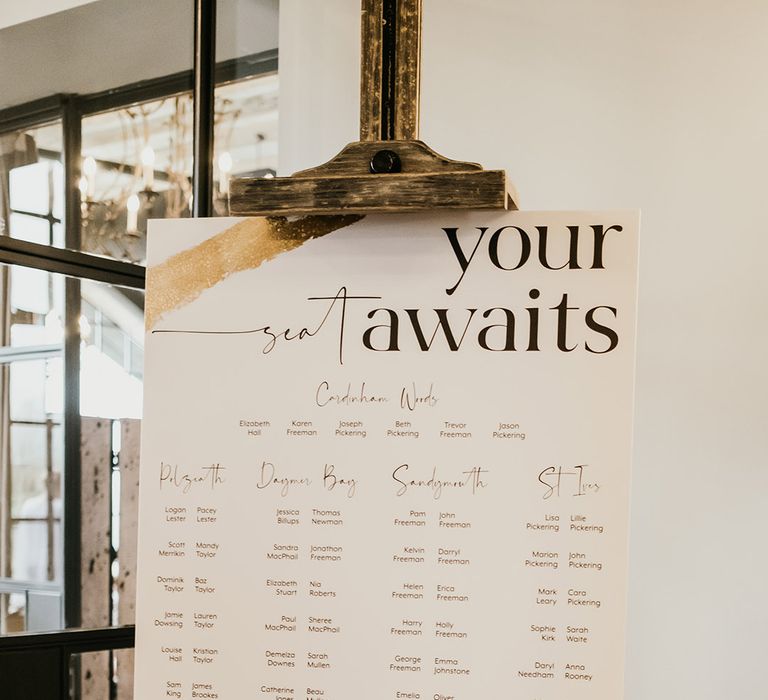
39, 665
50, 520
70, 109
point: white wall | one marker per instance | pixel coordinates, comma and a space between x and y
611, 104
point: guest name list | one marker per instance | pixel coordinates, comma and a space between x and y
387, 457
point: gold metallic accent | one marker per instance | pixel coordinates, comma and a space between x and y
244, 246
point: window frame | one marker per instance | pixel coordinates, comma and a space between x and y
75, 265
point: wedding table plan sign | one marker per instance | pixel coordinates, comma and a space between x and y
387, 455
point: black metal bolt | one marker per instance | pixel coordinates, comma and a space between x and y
383, 162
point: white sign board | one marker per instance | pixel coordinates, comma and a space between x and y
387, 458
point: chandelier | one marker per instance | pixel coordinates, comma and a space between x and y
141, 169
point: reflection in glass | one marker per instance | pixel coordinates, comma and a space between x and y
31, 459
137, 165
137, 161
112, 355
246, 134
32, 177
31, 416
103, 674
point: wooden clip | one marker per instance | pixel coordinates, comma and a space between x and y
389, 169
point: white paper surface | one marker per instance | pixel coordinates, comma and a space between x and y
409, 520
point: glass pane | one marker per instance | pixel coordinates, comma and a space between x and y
28, 383
245, 139
32, 456
36, 307
30, 228
112, 327
31, 160
136, 156
246, 32
57, 448
30, 290
58, 235
28, 186
57, 205
33, 560
137, 165
103, 675
29, 449
245, 133
12, 612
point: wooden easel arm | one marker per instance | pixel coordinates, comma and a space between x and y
389, 169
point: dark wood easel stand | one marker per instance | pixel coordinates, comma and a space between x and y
388, 169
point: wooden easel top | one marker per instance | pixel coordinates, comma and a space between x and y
388, 169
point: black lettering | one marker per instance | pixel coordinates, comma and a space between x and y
525, 248
600, 234
562, 323
509, 342
453, 238
573, 251
603, 330
442, 323
393, 326
533, 313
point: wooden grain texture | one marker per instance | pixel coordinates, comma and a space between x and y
370, 70
406, 75
403, 192
408, 69
345, 185
415, 156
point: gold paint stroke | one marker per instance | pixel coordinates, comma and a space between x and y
244, 246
